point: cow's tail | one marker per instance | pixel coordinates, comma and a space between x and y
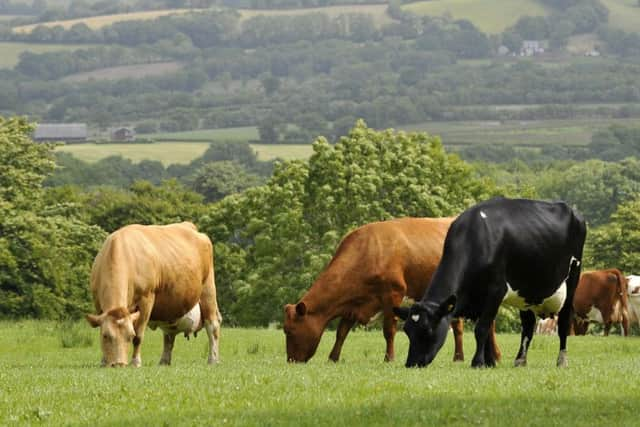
621, 310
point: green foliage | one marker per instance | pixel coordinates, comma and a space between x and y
284, 232
616, 244
216, 180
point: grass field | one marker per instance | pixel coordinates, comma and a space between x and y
377, 11
44, 383
623, 14
96, 22
10, 52
229, 134
490, 16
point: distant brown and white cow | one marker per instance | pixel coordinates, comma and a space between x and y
601, 297
633, 293
548, 326
156, 275
373, 269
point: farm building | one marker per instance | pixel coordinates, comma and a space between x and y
123, 134
69, 132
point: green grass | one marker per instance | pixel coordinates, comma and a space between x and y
490, 16
44, 383
285, 152
624, 14
10, 52
246, 133
378, 12
166, 152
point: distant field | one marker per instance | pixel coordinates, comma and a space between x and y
232, 134
95, 22
521, 133
10, 52
166, 152
9, 17
490, 16
126, 71
377, 11
624, 14
182, 147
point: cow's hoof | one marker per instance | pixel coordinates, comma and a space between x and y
212, 361
164, 362
520, 362
563, 362
136, 363
388, 358
458, 358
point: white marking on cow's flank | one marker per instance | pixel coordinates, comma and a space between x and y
415, 317
483, 215
190, 322
550, 305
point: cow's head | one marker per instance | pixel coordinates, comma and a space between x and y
302, 331
426, 325
116, 334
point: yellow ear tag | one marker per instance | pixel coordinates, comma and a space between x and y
450, 308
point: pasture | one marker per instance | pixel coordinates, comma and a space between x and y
490, 16
378, 12
95, 22
45, 383
10, 51
623, 14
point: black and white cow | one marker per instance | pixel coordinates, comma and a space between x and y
524, 253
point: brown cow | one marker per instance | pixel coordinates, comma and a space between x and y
601, 297
373, 269
157, 275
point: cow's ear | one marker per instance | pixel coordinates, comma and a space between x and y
135, 316
301, 309
401, 312
94, 320
447, 306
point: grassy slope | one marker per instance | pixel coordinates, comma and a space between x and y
10, 52
166, 152
125, 71
491, 16
377, 11
253, 385
102, 21
623, 14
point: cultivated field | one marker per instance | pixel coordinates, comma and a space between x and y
10, 52
491, 16
44, 383
166, 152
229, 134
377, 11
96, 22
125, 71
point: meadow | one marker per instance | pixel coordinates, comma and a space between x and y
490, 16
378, 12
46, 383
623, 14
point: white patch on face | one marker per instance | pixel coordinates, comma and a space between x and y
483, 215
415, 317
634, 285
550, 305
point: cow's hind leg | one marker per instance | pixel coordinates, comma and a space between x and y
212, 326
528, 321
211, 315
344, 327
457, 325
169, 339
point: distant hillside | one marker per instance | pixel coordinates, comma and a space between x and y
125, 71
95, 22
490, 16
11, 51
377, 11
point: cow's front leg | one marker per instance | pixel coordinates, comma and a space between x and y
564, 321
145, 306
344, 327
528, 321
483, 327
169, 339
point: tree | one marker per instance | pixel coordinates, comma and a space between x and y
277, 237
216, 180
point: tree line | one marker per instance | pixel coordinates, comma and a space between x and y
272, 239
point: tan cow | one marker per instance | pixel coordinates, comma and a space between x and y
601, 296
373, 269
160, 275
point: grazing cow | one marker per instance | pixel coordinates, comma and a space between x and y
373, 269
156, 275
633, 292
601, 296
524, 253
